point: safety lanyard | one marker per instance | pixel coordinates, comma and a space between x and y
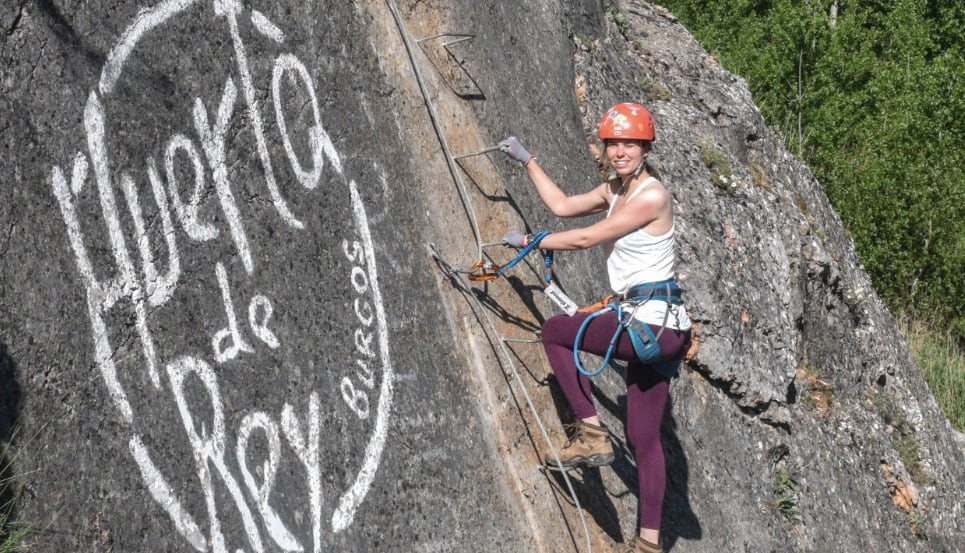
530, 246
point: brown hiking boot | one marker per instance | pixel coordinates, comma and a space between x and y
640, 545
589, 445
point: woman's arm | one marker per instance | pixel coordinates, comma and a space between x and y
647, 207
558, 202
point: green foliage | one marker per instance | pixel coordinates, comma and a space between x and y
872, 98
655, 90
943, 364
716, 162
907, 450
902, 435
785, 494
619, 18
10, 541
918, 522
11, 533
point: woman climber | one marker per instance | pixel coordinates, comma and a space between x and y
638, 236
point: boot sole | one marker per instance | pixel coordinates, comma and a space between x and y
600, 460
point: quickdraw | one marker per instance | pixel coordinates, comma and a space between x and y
484, 269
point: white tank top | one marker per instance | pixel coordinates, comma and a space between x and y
638, 258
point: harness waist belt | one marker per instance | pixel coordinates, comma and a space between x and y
664, 290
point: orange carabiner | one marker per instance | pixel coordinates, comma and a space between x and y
486, 271
593, 308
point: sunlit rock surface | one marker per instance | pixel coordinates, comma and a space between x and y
221, 327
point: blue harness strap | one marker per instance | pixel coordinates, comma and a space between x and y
644, 341
612, 306
665, 290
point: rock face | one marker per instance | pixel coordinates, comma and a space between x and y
234, 314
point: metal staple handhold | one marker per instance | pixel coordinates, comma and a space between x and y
479, 153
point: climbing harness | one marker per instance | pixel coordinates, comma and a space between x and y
644, 341
483, 271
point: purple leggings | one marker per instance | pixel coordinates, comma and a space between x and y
647, 393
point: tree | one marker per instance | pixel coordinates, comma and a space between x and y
870, 95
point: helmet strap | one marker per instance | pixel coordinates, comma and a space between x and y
639, 169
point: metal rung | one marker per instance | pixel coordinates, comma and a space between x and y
479, 153
461, 37
520, 340
464, 86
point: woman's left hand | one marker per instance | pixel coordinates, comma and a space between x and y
515, 150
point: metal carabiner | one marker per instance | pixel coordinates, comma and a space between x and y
483, 270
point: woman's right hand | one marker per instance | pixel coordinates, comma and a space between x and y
515, 238
514, 149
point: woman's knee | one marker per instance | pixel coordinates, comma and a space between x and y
646, 402
643, 434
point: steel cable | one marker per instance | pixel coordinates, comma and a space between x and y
467, 204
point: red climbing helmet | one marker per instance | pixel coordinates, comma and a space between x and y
627, 121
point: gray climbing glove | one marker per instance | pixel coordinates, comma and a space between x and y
515, 238
515, 150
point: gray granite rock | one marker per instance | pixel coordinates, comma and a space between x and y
221, 328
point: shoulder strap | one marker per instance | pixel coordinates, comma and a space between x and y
613, 198
645, 184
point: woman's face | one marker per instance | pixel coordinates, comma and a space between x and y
625, 155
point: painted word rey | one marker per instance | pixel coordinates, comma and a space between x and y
366, 393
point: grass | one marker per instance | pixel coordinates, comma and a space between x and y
902, 435
653, 89
11, 533
918, 521
785, 494
721, 174
619, 18
908, 453
943, 364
